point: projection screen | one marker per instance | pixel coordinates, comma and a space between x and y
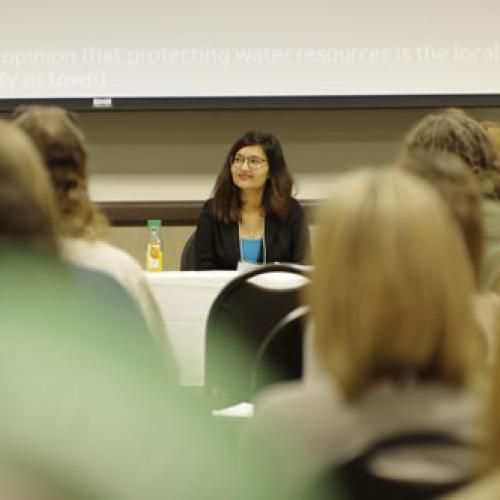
100, 53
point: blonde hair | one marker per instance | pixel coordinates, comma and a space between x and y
27, 204
57, 135
392, 286
492, 422
492, 129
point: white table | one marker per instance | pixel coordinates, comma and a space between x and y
185, 298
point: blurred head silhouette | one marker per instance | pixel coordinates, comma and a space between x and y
58, 137
492, 129
391, 291
85, 393
459, 189
27, 206
454, 131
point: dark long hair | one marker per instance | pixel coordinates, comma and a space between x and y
277, 195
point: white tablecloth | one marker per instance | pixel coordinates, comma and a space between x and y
185, 298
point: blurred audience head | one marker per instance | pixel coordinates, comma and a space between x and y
61, 142
492, 427
453, 131
492, 129
391, 289
27, 205
459, 189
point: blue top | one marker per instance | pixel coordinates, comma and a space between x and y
251, 250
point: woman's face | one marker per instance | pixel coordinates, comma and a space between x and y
249, 167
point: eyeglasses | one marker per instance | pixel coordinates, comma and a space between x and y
253, 162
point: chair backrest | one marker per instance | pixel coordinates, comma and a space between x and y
414, 466
280, 355
240, 318
188, 256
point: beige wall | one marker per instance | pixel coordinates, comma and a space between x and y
134, 241
175, 155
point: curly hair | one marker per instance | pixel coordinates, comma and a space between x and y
57, 135
453, 131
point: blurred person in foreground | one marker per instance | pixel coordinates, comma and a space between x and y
395, 332
487, 487
453, 131
460, 191
492, 264
492, 129
61, 142
29, 238
88, 411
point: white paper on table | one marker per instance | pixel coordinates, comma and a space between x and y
241, 410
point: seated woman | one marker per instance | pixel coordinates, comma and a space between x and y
30, 247
459, 189
453, 131
395, 330
491, 210
58, 137
487, 486
84, 389
252, 216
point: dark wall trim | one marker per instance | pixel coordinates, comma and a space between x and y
265, 102
172, 213
136, 213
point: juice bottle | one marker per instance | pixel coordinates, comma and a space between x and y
154, 255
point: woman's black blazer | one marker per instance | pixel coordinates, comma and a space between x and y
218, 247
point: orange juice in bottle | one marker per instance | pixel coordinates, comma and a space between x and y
154, 254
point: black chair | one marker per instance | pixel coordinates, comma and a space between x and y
188, 256
280, 356
379, 473
240, 318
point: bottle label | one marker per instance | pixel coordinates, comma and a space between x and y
154, 263
154, 257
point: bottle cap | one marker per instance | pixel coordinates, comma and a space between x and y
154, 223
